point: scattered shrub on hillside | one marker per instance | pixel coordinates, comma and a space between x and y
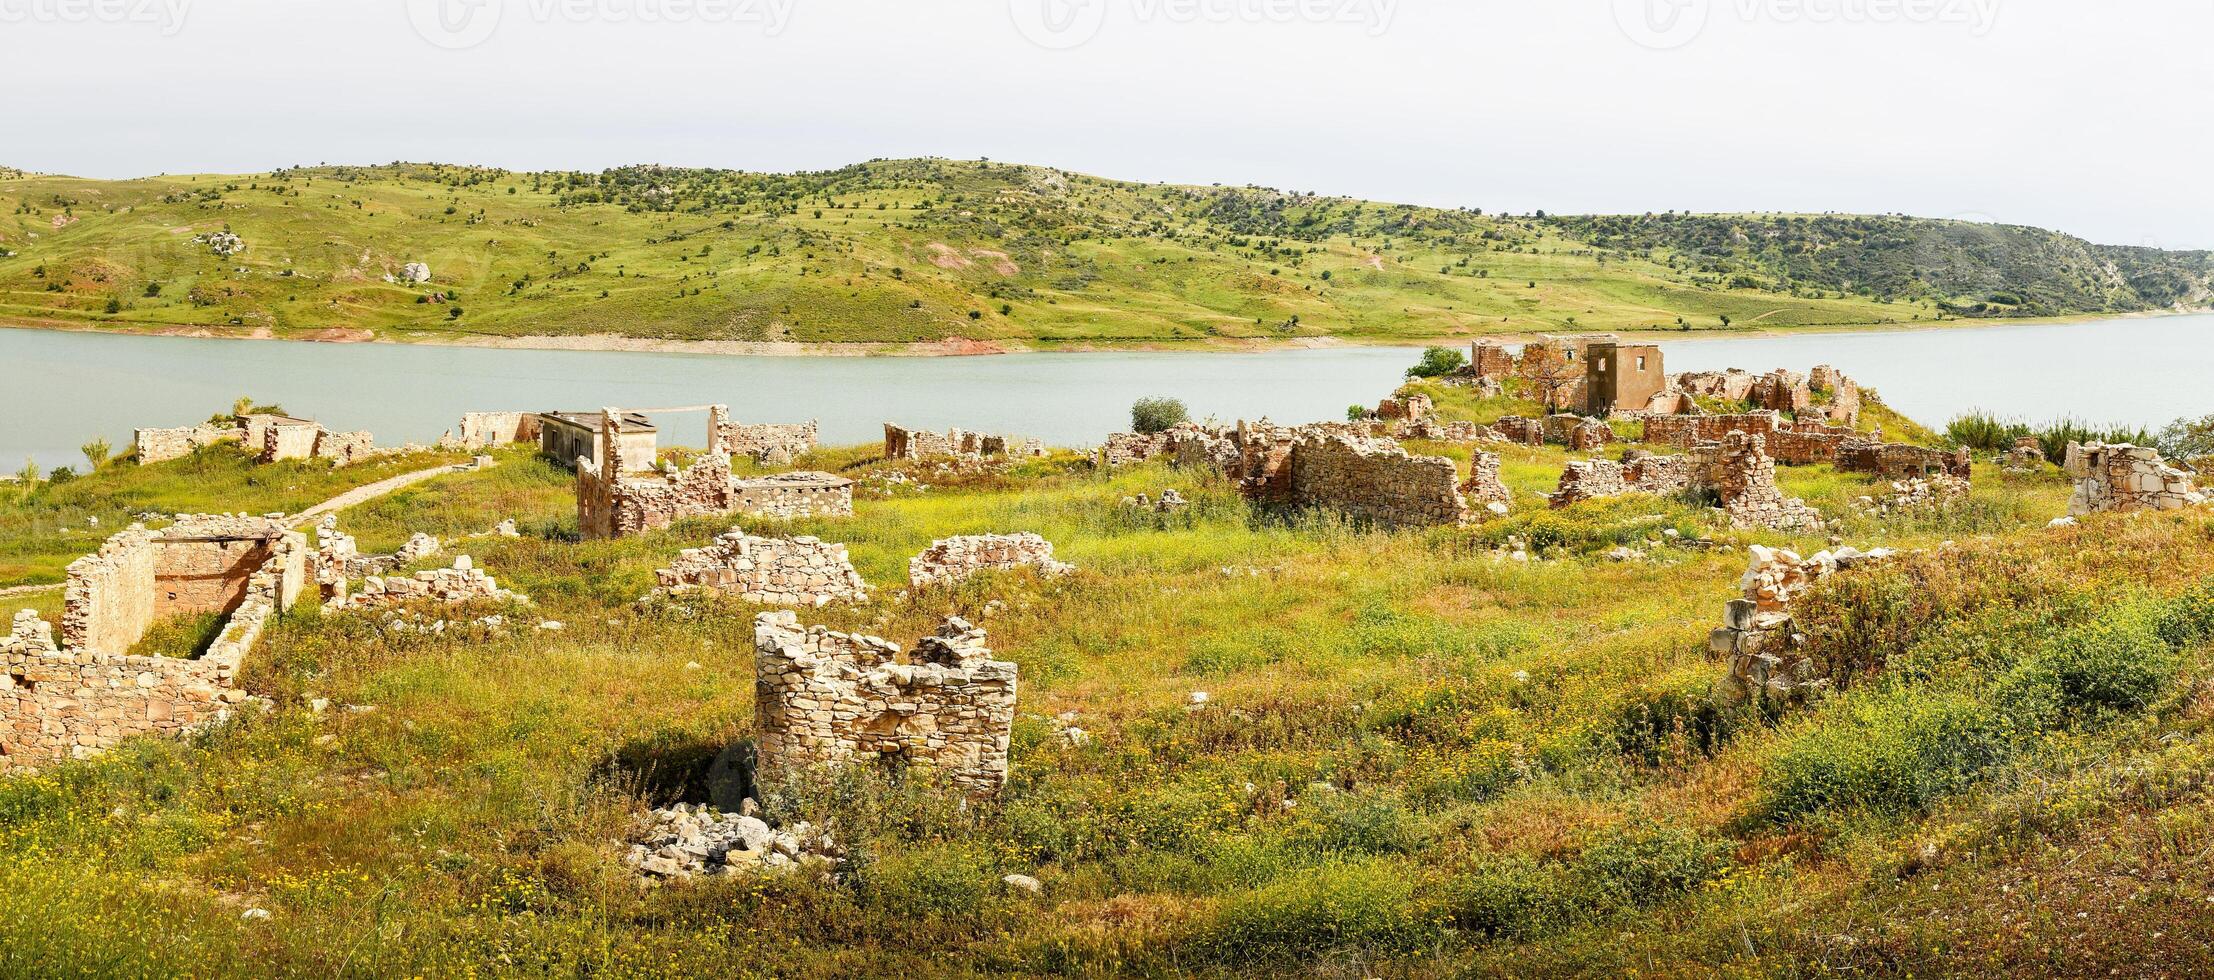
2113, 665
1374, 905
1437, 362
97, 452
1986, 432
1152, 415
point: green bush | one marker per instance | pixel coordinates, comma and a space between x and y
1151, 415
1640, 866
2114, 664
1437, 362
943, 881
1893, 751
1513, 896
2188, 619
1373, 905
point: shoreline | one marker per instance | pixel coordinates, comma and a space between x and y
968, 347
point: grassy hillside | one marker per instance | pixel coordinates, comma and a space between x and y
1418, 758
928, 250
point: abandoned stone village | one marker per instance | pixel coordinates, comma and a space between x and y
825, 698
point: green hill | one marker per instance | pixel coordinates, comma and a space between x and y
932, 250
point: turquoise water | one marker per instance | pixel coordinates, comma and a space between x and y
63, 389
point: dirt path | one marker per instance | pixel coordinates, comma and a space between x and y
28, 589
362, 495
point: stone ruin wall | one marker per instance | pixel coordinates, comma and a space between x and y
2122, 478
794, 495
796, 572
1337, 465
461, 584
1737, 470
200, 564
614, 506
269, 438
1638, 472
1896, 461
831, 699
766, 444
75, 702
902, 443
1375, 480
954, 559
487, 430
1745, 478
1758, 638
163, 445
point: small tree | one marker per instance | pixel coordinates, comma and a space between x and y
1437, 362
29, 472
97, 452
1152, 415
1548, 372
2187, 439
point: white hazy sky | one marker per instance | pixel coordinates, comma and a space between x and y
2087, 117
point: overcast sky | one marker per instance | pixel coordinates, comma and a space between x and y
2087, 117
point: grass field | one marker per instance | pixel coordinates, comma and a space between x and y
928, 251
1417, 757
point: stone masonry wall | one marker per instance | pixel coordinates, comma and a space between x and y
486, 430
953, 559
1375, 480
831, 699
770, 571
59, 704
1895, 461
766, 444
790, 495
2126, 478
1745, 478
463, 583
902, 443
162, 445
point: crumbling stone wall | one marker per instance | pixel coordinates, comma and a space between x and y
767, 444
610, 505
486, 430
1745, 478
770, 571
1686, 431
1781, 390
953, 559
1758, 639
162, 445
1844, 403
1521, 431
2027, 454
1485, 488
1491, 361
1638, 472
59, 704
338, 560
1895, 461
901, 443
615, 499
2126, 478
463, 583
1733, 385
282, 438
199, 564
1736, 470
831, 699
1375, 480
792, 495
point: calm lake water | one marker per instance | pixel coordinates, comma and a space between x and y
62, 389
